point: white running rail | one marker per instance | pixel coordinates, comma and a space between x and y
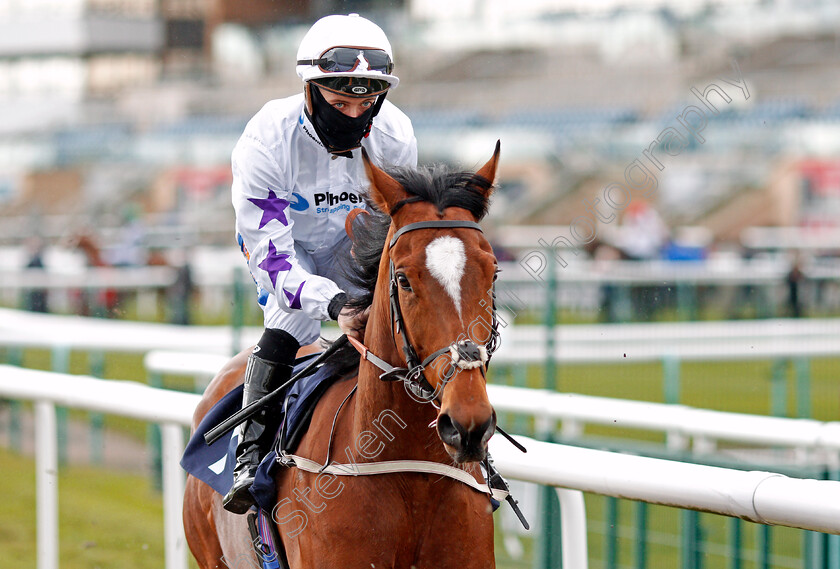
171, 409
682, 424
763, 497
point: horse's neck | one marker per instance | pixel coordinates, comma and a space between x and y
95, 260
387, 411
92, 253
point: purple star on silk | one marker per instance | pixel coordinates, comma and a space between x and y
272, 207
274, 262
294, 299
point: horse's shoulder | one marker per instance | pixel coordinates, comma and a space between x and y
231, 375
334, 396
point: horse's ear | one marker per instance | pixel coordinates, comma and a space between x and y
351, 219
488, 171
384, 190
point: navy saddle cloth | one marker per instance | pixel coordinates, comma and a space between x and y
213, 464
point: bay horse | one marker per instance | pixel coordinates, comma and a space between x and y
105, 300
429, 274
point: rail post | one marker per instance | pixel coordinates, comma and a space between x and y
611, 532
14, 356
46, 484
60, 360
96, 364
802, 372
813, 550
549, 554
641, 535
735, 543
671, 379
574, 550
687, 301
833, 546
690, 540
623, 303
765, 546
153, 437
778, 388
550, 321
173, 493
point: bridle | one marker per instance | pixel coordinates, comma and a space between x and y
465, 354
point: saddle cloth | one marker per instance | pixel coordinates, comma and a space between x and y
213, 464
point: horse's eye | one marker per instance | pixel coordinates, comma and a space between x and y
402, 280
496, 274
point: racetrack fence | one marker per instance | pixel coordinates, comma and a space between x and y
620, 533
758, 496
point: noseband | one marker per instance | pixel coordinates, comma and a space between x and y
465, 354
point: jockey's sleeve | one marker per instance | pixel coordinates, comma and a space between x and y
408, 157
261, 197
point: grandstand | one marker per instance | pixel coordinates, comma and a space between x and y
574, 95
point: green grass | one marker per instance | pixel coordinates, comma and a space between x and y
741, 387
115, 520
107, 520
110, 520
664, 525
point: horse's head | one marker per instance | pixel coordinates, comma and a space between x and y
439, 269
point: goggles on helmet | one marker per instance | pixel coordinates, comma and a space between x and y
346, 59
353, 86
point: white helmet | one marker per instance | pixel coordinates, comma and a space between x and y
351, 31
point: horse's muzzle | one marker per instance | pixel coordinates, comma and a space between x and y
462, 444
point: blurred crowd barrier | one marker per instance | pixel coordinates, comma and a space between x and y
538, 282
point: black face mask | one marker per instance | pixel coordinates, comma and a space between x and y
339, 133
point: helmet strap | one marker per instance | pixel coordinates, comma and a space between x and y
308, 107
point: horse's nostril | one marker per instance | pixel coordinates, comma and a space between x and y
487, 429
450, 432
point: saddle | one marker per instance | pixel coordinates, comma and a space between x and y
213, 464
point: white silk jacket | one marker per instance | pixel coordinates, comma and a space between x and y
289, 191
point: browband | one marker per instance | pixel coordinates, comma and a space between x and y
433, 224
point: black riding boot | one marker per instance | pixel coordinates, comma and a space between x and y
255, 434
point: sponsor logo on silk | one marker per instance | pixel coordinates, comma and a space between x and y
330, 199
328, 202
300, 204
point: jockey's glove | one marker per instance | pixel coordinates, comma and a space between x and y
336, 304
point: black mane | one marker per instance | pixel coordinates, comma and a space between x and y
433, 184
444, 188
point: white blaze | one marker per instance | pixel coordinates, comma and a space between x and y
445, 259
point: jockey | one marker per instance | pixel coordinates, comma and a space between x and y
297, 173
